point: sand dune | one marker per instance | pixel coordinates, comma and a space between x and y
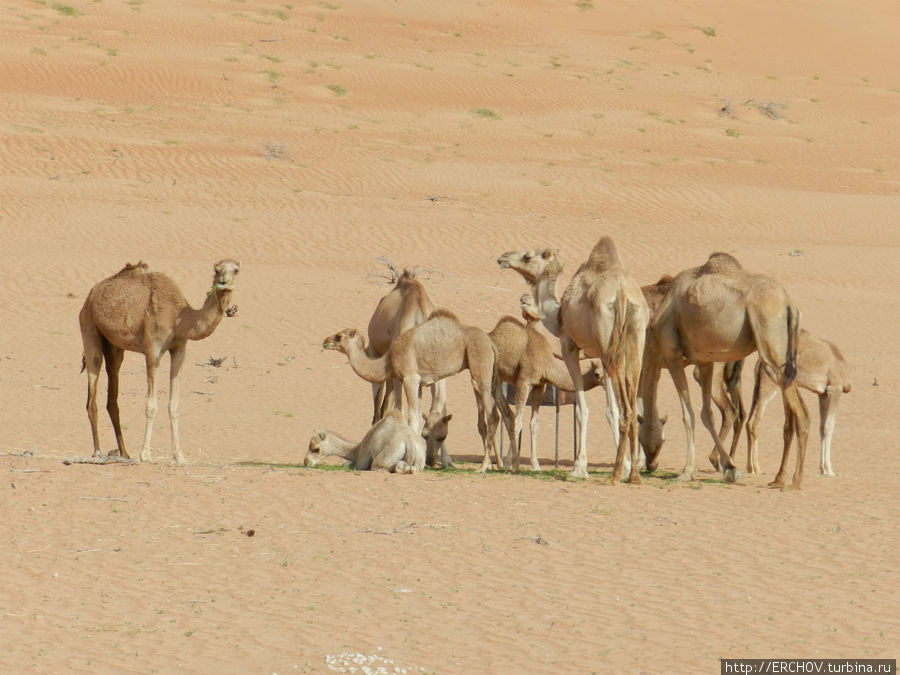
309, 140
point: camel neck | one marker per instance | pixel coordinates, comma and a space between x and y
372, 369
197, 324
547, 301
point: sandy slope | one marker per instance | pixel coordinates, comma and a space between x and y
307, 140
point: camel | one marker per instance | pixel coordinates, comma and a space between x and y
390, 445
726, 392
604, 314
141, 311
525, 359
720, 312
438, 348
822, 370
406, 305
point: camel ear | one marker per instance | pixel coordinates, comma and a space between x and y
320, 434
549, 253
640, 419
664, 419
447, 418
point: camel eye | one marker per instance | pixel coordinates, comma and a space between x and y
526, 257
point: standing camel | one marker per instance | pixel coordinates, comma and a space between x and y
604, 314
821, 369
406, 305
137, 310
438, 348
720, 312
525, 359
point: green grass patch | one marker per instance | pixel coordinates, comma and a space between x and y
337, 89
486, 113
66, 10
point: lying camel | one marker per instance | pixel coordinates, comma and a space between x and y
822, 370
390, 445
525, 359
427, 353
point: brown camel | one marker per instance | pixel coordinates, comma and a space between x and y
822, 370
406, 305
604, 314
720, 312
438, 348
141, 311
526, 360
726, 391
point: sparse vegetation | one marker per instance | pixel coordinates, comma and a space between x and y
337, 89
486, 113
708, 31
65, 10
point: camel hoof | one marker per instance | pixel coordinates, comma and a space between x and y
686, 476
634, 479
732, 474
578, 472
145, 457
776, 484
536, 468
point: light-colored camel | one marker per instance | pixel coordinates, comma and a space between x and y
525, 359
822, 370
438, 348
141, 311
406, 305
720, 312
604, 314
389, 445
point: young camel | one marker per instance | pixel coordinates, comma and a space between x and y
525, 359
720, 312
390, 444
821, 369
604, 314
438, 348
406, 305
141, 311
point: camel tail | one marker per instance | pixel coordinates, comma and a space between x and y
617, 340
793, 331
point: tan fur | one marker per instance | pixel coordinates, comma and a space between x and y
604, 314
389, 445
406, 305
720, 312
429, 352
526, 360
142, 311
822, 370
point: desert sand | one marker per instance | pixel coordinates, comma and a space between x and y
308, 140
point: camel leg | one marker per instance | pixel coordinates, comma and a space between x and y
413, 411
93, 359
763, 391
537, 395
687, 415
800, 427
379, 395
114, 357
627, 432
729, 471
439, 402
177, 356
788, 434
570, 358
523, 390
150, 409
487, 427
733, 377
726, 410
828, 403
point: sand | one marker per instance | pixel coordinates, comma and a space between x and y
309, 140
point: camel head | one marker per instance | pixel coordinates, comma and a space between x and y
598, 377
530, 311
652, 436
225, 274
342, 341
436, 427
531, 264
321, 445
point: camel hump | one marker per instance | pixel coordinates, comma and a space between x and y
665, 280
443, 313
140, 266
722, 263
603, 256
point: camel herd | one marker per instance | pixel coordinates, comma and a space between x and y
712, 317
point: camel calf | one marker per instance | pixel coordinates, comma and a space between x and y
822, 370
